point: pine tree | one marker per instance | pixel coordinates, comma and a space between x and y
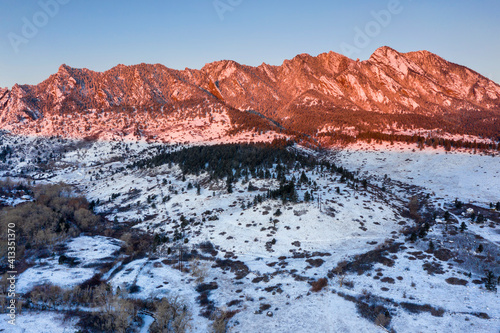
473, 217
295, 195
447, 145
229, 185
490, 283
303, 178
251, 187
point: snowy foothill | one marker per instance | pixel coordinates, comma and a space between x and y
225, 251
456, 174
88, 251
39, 322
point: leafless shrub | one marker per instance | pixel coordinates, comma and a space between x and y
110, 311
220, 321
413, 207
171, 316
417, 308
318, 285
199, 269
371, 307
85, 218
349, 284
382, 320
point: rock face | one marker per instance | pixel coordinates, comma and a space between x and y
305, 94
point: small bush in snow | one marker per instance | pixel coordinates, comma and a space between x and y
318, 285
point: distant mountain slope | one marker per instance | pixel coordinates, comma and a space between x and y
306, 94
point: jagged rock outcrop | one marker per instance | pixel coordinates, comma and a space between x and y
416, 89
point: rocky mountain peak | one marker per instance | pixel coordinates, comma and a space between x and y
305, 90
3, 91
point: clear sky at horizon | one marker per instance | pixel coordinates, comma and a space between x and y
36, 37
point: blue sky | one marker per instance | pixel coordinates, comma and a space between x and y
189, 33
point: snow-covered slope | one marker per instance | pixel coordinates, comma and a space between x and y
259, 263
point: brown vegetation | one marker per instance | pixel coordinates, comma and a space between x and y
318, 285
54, 215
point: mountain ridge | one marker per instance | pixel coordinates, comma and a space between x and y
306, 94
